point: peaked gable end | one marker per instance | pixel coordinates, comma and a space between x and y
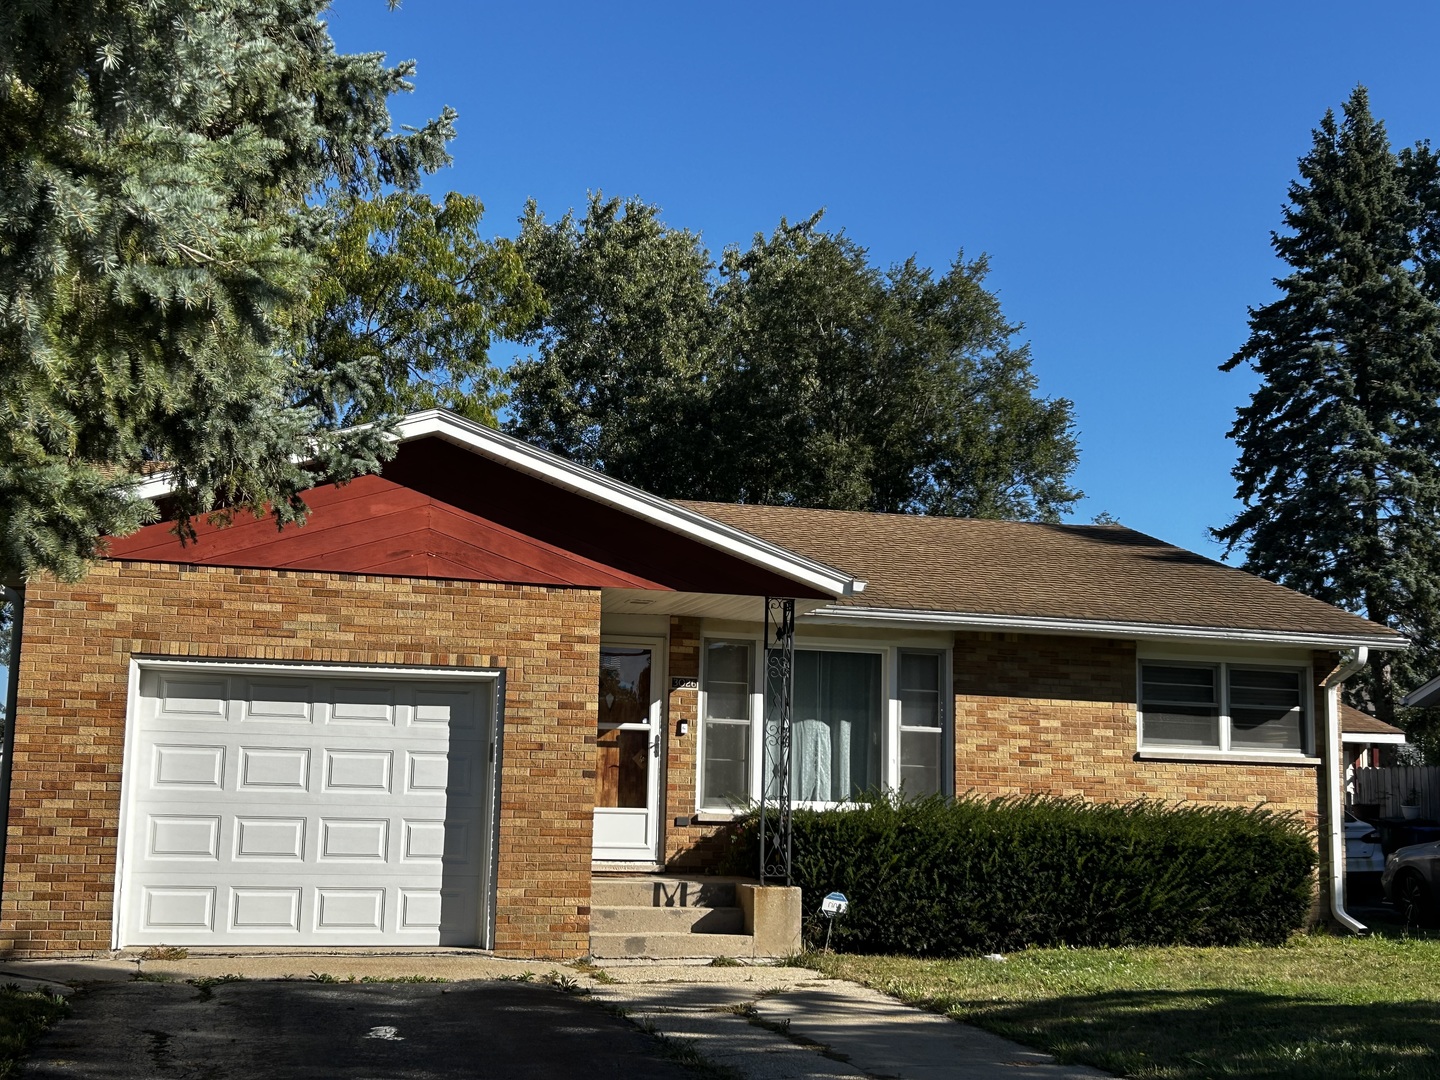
440, 511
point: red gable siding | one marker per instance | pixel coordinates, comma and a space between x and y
439, 511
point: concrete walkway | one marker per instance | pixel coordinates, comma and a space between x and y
764, 1023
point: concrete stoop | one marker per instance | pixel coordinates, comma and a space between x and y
669, 917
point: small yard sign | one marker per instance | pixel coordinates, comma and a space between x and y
834, 904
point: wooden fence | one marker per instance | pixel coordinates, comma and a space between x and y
1390, 787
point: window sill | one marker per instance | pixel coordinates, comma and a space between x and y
1224, 757
715, 817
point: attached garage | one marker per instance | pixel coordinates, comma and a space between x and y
274, 805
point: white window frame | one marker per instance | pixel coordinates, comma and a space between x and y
1222, 666
889, 653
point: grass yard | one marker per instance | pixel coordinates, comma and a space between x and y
24, 1014
1319, 1008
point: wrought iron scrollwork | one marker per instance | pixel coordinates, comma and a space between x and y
779, 700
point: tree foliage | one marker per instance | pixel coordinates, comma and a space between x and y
792, 372
166, 174
410, 300
1339, 469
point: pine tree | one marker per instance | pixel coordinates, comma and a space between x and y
167, 174
1339, 466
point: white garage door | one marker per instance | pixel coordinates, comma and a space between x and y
267, 809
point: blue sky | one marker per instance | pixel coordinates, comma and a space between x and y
1122, 164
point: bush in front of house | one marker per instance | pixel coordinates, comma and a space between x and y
943, 877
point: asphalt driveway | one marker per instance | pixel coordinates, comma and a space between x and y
293, 1029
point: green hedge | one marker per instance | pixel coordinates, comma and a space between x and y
941, 877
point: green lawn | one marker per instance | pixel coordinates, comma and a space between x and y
1320, 1008
24, 1014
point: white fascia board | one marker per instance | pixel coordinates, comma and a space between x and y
631, 500
559, 472
946, 620
1364, 737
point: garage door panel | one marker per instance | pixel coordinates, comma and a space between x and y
268, 827
270, 839
267, 701
272, 768
173, 837
193, 698
191, 766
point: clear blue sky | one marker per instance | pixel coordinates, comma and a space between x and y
1122, 164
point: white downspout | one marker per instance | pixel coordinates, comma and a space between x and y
1335, 785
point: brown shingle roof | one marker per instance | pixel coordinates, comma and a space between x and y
1101, 573
1355, 722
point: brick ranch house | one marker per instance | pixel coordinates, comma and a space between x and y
431, 714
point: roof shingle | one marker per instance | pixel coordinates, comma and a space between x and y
1103, 573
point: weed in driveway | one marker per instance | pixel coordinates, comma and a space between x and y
24, 1014
599, 974
566, 984
206, 984
149, 976
164, 952
403, 979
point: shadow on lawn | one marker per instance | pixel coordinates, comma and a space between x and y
1205, 1034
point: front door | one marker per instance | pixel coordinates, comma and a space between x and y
629, 743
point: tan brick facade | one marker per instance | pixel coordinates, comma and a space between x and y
1055, 715
1034, 714
69, 732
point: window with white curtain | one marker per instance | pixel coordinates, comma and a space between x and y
837, 725
862, 719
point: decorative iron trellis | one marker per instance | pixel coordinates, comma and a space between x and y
779, 699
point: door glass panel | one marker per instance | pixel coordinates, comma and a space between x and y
624, 686
623, 768
622, 765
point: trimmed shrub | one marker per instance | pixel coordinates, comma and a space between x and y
942, 877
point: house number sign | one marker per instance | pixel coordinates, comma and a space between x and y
684, 684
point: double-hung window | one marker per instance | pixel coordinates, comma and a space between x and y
1238, 708
725, 772
861, 720
922, 723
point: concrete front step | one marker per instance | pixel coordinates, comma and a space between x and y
663, 892
669, 946
646, 919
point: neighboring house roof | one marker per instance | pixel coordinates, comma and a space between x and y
1424, 697
1019, 575
1361, 727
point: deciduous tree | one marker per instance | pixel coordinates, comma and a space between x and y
792, 372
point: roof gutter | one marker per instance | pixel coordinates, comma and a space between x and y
1334, 785
1045, 624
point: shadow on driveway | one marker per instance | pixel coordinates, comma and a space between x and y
281, 1030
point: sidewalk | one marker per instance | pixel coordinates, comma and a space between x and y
764, 1023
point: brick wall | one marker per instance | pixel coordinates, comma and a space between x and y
688, 847
69, 731
1037, 714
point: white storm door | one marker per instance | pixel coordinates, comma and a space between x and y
630, 743
270, 809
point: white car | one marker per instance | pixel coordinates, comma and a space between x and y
1410, 882
1362, 847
